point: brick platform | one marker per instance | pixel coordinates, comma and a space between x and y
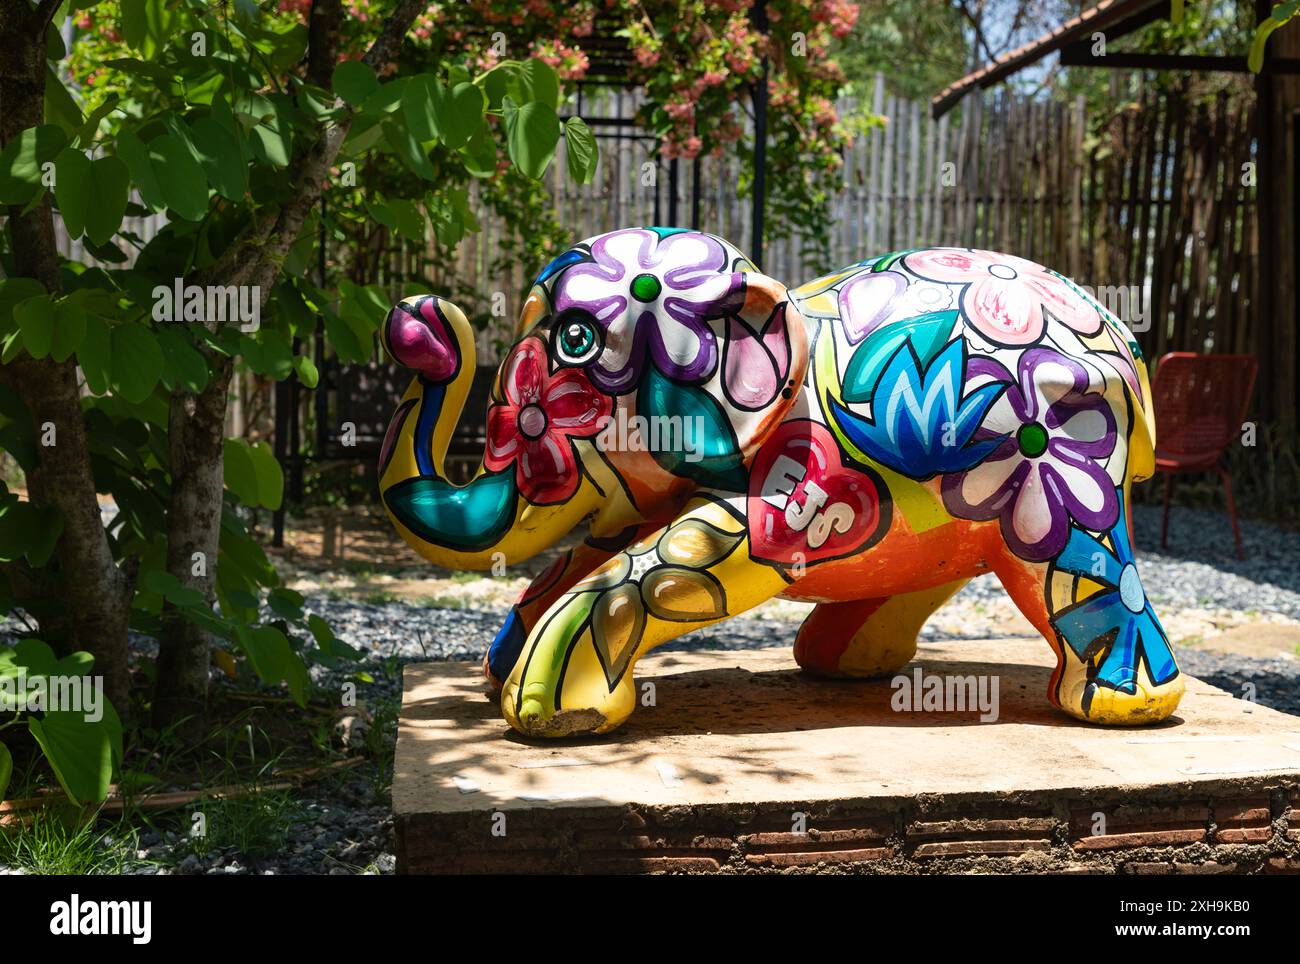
745, 765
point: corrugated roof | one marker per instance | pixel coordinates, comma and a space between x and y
1126, 15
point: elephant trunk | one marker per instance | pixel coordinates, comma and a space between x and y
483, 524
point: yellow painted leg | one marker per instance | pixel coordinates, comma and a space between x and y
867, 637
575, 674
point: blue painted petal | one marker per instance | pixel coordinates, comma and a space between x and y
505, 649
1155, 648
1082, 554
572, 256
1119, 534
1094, 617
1119, 669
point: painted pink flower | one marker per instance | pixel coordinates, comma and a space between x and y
534, 426
1005, 298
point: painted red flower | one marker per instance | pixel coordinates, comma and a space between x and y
534, 426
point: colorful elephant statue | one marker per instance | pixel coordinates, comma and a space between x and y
868, 442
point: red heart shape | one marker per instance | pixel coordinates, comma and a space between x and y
804, 504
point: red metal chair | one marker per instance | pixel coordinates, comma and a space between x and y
1200, 403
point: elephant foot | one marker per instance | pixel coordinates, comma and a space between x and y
534, 714
867, 638
1115, 664
1139, 702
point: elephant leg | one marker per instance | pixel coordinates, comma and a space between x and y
555, 580
867, 637
575, 673
1114, 662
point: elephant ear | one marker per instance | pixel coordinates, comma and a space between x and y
764, 359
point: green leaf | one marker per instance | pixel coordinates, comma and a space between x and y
253, 474
221, 158
238, 471
463, 115
532, 132
354, 81
408, 150
270, 477
538, 82
59, 105
306, 369
35, 318
184, 366
28, 530
132, 150
6, 769
342, 339
110, 184
79, 752
72, 189
407, 219
480, 155
132, 24
21, 160
422, 103
580, 150
181, 179
137, 361
273, 660
90, 128
95, 355
69, 329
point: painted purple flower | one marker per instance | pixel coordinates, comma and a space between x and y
655, 293
1048, 469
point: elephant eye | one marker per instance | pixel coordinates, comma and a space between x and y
576, 339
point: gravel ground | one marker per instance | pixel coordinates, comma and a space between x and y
346, 827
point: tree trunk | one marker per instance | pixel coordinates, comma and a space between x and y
197, 424
195, 430
96, 593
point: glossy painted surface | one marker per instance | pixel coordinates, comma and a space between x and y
868, 441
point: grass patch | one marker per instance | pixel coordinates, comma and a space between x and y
54, 842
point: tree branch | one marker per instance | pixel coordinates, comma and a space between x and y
44, 13
323, 41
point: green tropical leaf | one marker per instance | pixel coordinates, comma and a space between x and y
220, 156
580, 150
95, 356
133, 150
532, 133
110, 185
273, 660
539, 83
6, 769
35, 318
463, 115
69, 329
72, 189
184, 366
180, 178
422, 104
354, 81
22, 158
137, 361
80, 753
